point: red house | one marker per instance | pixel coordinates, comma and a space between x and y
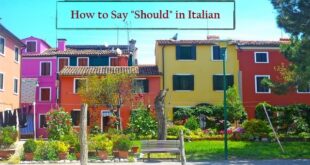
148, 80
257, 60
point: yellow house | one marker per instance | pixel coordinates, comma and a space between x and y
192, 70
10, 62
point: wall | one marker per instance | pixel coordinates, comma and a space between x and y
249, 69
203, 69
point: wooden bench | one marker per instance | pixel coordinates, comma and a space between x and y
161, 146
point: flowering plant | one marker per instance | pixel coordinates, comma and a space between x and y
59, 123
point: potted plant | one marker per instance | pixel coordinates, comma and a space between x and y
62, 149
102, 145
29, 148
134, 149
122, 145
8, 136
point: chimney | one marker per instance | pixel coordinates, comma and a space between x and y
213, 37
132, 45
61, 45
122, 60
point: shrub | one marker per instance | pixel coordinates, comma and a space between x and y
8, 136
192, 123
142, 123
95, 130
182, 113
123, 143
256, 128
46, 150
58, 124
72, 139
30, 146
100, 142
175, 130
62, 147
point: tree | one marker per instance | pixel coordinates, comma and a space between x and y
160, 114
59, 123
235, 108
111, 91
293, 17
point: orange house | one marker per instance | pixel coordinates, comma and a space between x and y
10, 62
148, 80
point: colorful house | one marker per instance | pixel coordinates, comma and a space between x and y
192, 70
147, 80
258, 60
10, 48
41, 64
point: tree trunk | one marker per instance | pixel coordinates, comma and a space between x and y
160, 114
83, 135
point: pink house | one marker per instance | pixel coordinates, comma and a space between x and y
42, 69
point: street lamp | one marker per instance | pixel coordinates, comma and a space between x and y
225, 101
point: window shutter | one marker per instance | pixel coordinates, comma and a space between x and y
216, 52
146, 86
191, 82
230, 81
193, 52
222, 53
175, 82
178, 52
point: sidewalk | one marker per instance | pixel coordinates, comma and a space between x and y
222, 162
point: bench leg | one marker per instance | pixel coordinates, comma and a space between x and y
149, 156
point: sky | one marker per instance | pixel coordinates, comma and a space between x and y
255, 20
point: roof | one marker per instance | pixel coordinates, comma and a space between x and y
77, 52
103, 70
99, 47
11, 35
212, 42
36, 38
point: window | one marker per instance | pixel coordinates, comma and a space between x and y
113, 61
15, 87
43, 123
62, 62
261, 57
16, 57
45, 94
83, 61
1, 81
259, 88
75, 115
303, 89
218, 82
141, 85
31, 46
2, 45
45, 68
77, 84
183, 82
186, 52
218, 53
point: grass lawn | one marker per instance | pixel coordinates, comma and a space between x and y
214, 150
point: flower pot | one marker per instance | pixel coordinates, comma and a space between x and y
28, 156
103, 155
78, 155
62, 156
5, 154
134, 149
123, 154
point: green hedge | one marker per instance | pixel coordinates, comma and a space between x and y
286, 119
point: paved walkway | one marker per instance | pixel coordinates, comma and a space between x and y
233, 162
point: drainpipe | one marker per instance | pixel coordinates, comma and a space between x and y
163, 63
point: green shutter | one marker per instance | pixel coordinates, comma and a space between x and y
146, 86
178, 52
175, 82
191, 82
193, 53
216, 53
217, 82
230, 81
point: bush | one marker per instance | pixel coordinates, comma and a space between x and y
30, 146
192, 123
256, 128
123, 143
95, 130
182, 113
100, 142
8, 136
58, 124
142, 123
62, 147
72, 139
46, 150
175, 130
